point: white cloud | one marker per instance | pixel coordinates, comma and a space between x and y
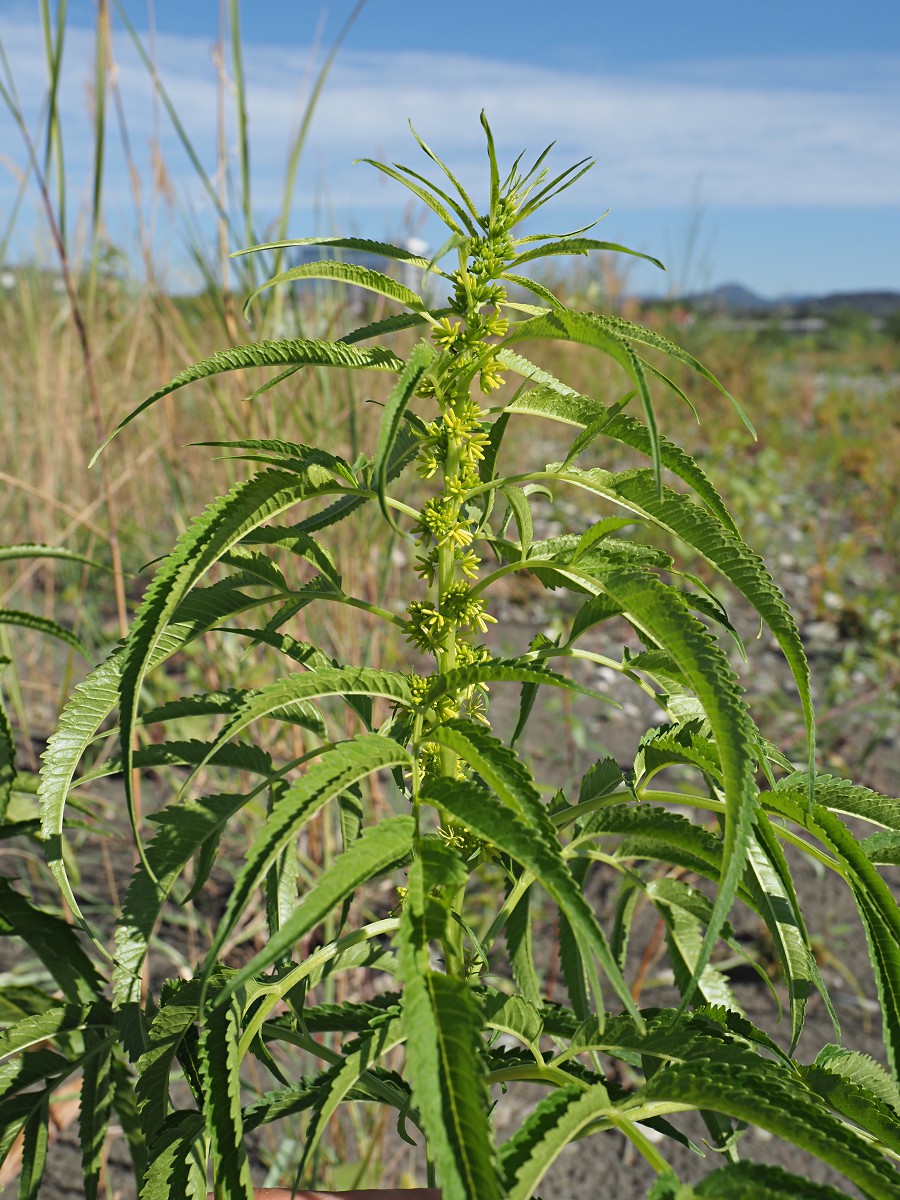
754, 133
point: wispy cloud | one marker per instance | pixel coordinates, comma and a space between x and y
752, 132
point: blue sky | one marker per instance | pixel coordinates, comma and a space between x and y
754, 143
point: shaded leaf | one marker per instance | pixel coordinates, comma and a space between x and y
220, 1063
380, 848
339, 769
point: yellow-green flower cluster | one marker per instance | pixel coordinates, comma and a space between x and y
459, 605
453, 447
462, 423
465, 843
439, 522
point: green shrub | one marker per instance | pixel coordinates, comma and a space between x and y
479, 849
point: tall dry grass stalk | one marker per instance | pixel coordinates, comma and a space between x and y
82, 342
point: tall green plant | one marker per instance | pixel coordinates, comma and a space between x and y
477, 850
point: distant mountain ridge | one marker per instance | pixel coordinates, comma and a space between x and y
737, 300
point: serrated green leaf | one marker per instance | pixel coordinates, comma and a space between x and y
284, 695
556, 402
310, 656
363, 245
514, 1015
856, 1102
576, 966
521, 510
182, 829
769, 879
243, 756
536, 288
492, 162
883, 847
126, 1110
519, 947
565, 179
533, 373
380, 1086
728, 553
843, 796
22, 1000
766, 1096
471, 210
404, 451
875, 901
164, 1038
36, 1028
39, 550
492, 821
357, 1060
862, 1070
202, 704
259, 566
592, 612
740, 565
685, 744
581, 246
528, 693
499, 669
596, 533
344, 272
553, 560
654, 833
298, 456
176, 1163
578, 327
758, 1181
662, 615
556, 1120
26, 620
884, 955
684, 938
94, 1116
341, 767
292, 351
623, 919
650, 337
214, 533
221, 1065
95, 697
7, 759
572, 326
392, 418
433, 203
35, 1141
391, 325
499, 767
54, 942
380, 848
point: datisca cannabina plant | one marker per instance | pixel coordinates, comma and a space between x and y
480, 859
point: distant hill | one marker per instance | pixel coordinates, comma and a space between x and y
727, 298
734, 299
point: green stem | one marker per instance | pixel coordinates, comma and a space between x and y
273, 995
523, 883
